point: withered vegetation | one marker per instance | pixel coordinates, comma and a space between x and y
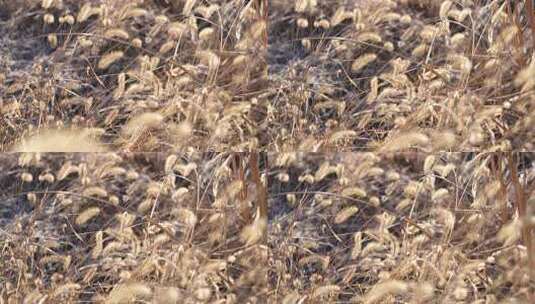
401, 228
131, 228
308, 75
392, 167
442, 75
181, 73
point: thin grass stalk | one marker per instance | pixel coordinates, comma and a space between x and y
497, 170
261, 199
519, 39
239, 171
530, 13
263, 11
521, 206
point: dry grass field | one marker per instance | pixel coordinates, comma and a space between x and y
132, 75
130, 228
401, 228
391, 75
308, 75
267, 151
